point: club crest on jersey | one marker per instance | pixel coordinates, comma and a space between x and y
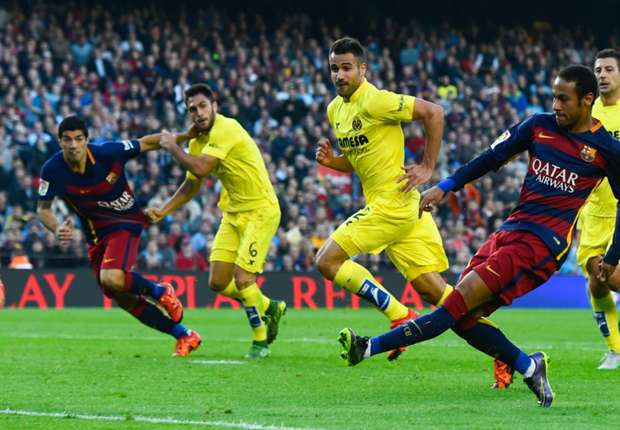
111, 178
588, 154
356, 124
43, 187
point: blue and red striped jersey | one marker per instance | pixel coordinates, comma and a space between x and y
564, 168
101, 197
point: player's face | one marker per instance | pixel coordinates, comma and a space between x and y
346, 72
607, 75
568, 107
201, 111
73, 145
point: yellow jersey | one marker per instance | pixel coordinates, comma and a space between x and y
369, 132
602, 202
241, 167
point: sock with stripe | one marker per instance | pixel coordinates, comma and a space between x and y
252, 300
606, 316
422, 328
355, 278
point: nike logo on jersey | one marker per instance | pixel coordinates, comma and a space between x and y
542, 135
108, 260
84, 191
490, 269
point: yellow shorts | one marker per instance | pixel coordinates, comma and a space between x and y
244, 237
413, 244
595, 238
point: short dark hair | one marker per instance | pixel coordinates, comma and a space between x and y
346, 45
609, 53
200, 88
583, 77
72, 123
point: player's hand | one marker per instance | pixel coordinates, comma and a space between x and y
194, 132
154, 215
605, 270
167, 140
430, 198
64, 232
415, 174
324, 152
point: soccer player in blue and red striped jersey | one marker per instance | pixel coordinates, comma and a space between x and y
569, 155
91, 180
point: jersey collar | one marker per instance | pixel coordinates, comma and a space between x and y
359, 91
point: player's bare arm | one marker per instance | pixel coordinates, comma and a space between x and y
432, 117
325, 156
150, 142
63, 231
188, 189
200, 166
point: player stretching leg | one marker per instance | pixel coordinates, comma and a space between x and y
221, 147
570, 152
367, 123
91, 180
597, 220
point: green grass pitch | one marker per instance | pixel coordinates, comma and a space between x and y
93, 366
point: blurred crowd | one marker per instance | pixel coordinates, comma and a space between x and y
125, 74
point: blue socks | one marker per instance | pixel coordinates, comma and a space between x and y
420, 329
150, 315
140, 285
493, 342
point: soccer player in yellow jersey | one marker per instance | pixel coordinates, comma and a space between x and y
367, 124
597, 220
251, 215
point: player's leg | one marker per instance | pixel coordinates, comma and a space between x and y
256, 230
596, 234
434, 290
221, 278
605, 313
150, 315
364, 232
507, 274
121, 249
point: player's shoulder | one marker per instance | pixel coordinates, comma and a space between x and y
54, 164
544, 119
225, 126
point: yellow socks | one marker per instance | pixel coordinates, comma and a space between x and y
606, 316
231, 291
355, 278
253, 302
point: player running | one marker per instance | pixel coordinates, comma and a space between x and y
597, 220
91, 180
570, 153
251, 217
367, 123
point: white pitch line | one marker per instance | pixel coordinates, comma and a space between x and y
582, 346
216, 362
152, 420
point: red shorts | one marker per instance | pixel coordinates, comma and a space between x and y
117, 250
511, 264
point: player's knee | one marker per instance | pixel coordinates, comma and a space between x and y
244, 279
430, 287
112, 280
217, 284
597, 288
326, 265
